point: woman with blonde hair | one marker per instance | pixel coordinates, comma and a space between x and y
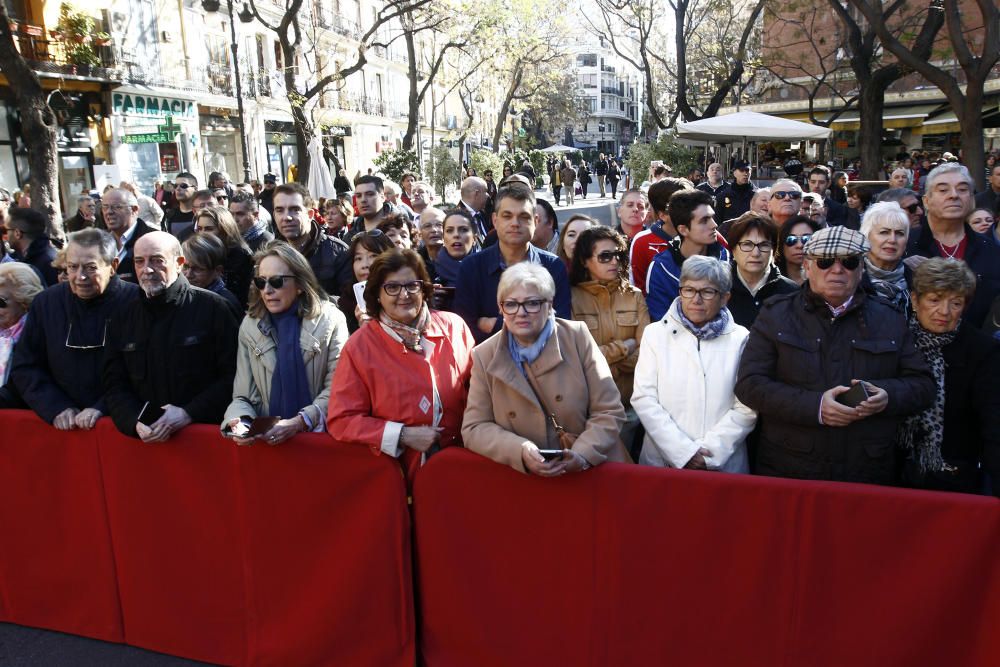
239, 265
289, 344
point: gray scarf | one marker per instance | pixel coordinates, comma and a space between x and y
890, 285
922, 434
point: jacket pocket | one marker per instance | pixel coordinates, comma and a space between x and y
798, 358
592, 321
875, 359
134, 356
625, 318
194, 353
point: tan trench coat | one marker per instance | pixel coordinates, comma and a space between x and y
502, 412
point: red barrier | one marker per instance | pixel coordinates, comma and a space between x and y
292, 555
627, 565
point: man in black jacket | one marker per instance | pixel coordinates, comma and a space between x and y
173, 349
57, 362
948, 201
327, 255
29, 242
807, 349
734, 199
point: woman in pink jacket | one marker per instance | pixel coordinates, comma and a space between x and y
402, 380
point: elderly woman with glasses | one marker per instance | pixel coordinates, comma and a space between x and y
614, 311
948, 444
752, 240
542, 398
400, 387
887, 227
686, 375
792, 238
289, 344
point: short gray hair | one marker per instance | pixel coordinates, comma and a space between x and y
715, 271
786, 184
129, 197
391, 187
887, 213
96, 238
896, 195
948, 168
84, 198
526, 274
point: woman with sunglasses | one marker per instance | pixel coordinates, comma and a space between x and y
793, 236
239, 265
542, 399
19, 285
289, 344
887, 228
614, 311
686, 374
400, 387
752, 240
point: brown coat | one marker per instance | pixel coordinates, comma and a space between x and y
613, 314
502, 412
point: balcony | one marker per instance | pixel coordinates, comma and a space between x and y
610, 90
53, 55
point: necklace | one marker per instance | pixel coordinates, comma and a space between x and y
950, 254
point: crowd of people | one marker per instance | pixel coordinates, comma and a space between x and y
718, 327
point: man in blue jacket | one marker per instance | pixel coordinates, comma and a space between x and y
514, 220
57, 363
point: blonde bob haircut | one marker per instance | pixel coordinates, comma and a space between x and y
312, 298
528, 275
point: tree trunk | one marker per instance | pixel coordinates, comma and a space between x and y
303, 125
970, 117
515, 83
39, 128
413, 108
870, 106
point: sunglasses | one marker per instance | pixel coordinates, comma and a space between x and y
609, 256
375, 233
792, 239
276, 282
786, 194
849, 263
182, 186
912, 208
3, 302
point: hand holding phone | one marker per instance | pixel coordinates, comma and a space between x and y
552, 454
854, 396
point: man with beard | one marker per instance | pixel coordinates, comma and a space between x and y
170, 356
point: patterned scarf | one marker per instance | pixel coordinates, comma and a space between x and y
711, 329
409, 333
923, 433
8, 338
890, 285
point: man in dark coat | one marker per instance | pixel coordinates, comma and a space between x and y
734, 199
121, 214
85, 216
57, 362
173, 349
29, 242
808, 348
327, 255
948, 201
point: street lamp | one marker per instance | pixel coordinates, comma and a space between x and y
245, 15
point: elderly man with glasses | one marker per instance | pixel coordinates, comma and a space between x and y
121, 216
57, 362
832, 372
786, 201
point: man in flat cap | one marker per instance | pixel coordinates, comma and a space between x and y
805, 354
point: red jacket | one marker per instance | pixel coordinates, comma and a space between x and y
645, 246
378, 381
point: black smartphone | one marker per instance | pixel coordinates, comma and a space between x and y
853, 397
149, 414
551, 454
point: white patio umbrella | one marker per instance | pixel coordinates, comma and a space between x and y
320, 181
560, 148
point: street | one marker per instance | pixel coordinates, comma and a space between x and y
30, 647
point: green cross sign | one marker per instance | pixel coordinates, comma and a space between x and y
170, 129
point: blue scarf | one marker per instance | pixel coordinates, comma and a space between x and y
526, 355
711, 329
255, 232
447, 268
289, 385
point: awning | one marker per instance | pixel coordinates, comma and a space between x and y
947, 121
892, 117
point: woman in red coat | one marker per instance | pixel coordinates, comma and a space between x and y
402, 379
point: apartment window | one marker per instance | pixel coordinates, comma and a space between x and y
586, 60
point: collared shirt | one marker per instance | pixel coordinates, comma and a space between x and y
753, 289
477, 220
837, 311
123, 241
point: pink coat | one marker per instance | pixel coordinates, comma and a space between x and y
378, 381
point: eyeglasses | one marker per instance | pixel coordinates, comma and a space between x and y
104, 339
432, 225
706, 293
531, 306
412, 287
114, 207
749, 246
786, 194
609, 256
913, 208
276, 282
849, 263
792, 239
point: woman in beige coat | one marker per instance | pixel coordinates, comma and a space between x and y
613, 310
507, 418
289, 344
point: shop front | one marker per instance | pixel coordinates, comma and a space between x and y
282, 151
220, 136
155, 136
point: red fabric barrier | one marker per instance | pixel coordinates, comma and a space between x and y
631, 565
56, 566
291, 555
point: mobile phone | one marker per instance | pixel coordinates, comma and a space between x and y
149, 414
444, 288
260, 425
551, 454
853, 397
359, 295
